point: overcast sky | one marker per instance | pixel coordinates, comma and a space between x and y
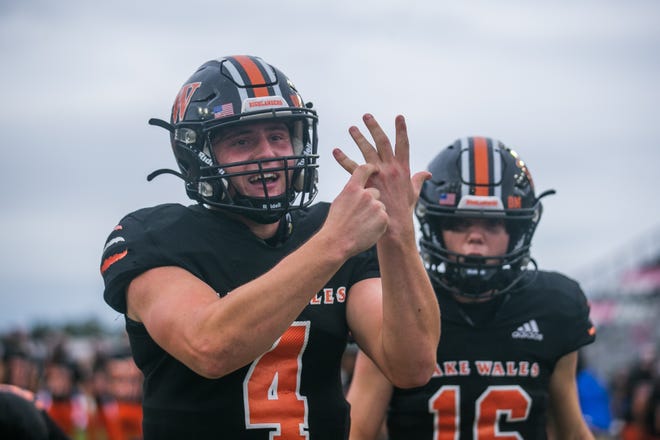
574, 87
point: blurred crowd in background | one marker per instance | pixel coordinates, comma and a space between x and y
89, 385
83, 377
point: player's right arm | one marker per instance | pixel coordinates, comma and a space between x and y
369, 395
215, 336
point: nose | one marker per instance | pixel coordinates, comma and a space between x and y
263, 148
475, 234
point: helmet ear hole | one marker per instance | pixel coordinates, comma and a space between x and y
214, 189
299, 181
305, 179
205, 189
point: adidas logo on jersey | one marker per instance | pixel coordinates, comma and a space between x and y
529, 330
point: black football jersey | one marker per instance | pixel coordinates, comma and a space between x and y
292, 391
492, 373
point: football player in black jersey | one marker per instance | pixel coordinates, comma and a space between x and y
506, 363
238, 308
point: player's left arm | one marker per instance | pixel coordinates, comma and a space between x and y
565, 420
369, 395
402, 333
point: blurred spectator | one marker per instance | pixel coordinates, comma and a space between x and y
125, 385
61, 394
99, 395
653, 411
117, 388
640, 404
20, 367
618, 397
594, 399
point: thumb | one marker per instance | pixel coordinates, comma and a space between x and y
418, 179
362, 173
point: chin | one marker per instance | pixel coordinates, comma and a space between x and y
261, 195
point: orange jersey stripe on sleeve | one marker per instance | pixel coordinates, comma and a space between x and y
112, 259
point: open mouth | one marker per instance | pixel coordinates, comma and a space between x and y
264, 178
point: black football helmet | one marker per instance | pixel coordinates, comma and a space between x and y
478, 177
238, 90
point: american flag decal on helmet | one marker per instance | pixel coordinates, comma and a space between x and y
447, 199
223, 110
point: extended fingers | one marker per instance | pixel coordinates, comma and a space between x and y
383, 145
402, 145
344, 161
369, 153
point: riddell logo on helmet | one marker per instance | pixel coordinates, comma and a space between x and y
204, 158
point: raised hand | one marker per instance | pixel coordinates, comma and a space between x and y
397, 190
357, 218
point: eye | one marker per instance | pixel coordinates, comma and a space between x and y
242, 141
456, 224
279, 136
494, 224
238, 141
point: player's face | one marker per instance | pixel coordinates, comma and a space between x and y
250, 142
477, 237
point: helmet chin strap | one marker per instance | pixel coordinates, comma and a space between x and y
263, 210
262, 216
484, 283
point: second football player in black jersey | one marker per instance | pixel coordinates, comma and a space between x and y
506, 362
